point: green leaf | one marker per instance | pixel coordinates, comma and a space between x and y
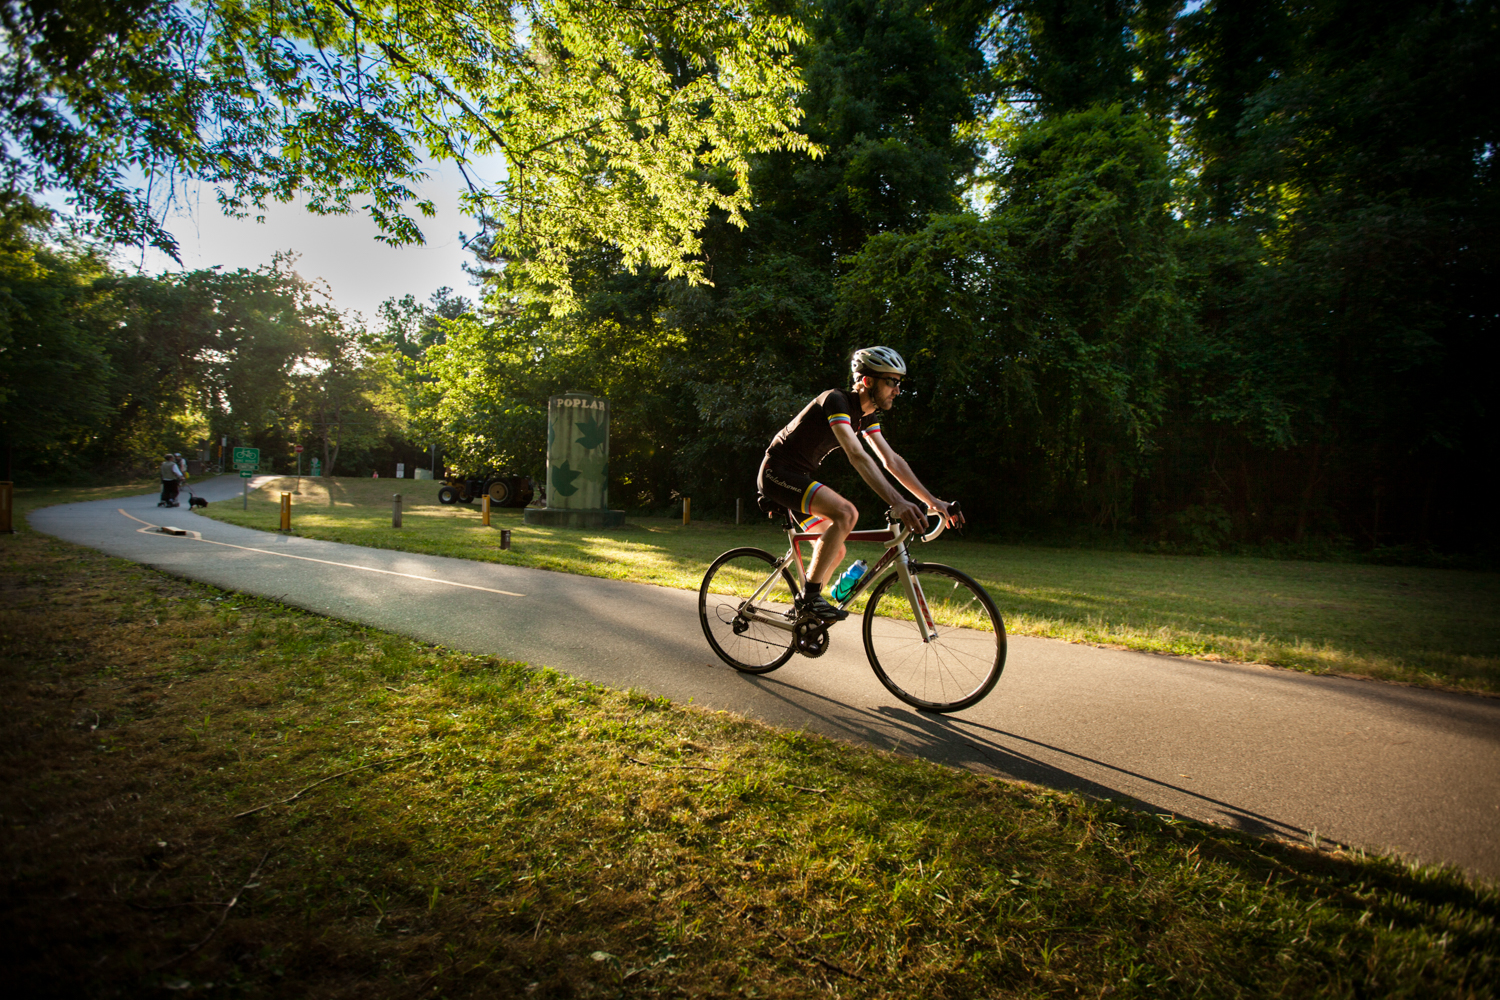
593, 434
562, 480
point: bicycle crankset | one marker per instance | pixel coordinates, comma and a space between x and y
812, 638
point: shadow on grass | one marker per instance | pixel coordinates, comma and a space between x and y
1261, 847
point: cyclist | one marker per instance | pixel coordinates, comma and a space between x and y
838, 419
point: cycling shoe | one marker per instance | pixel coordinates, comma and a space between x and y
819, 608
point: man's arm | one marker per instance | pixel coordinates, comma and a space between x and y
902, 471
907, 512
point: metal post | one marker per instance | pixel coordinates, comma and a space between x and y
687, 510
486, 506
737, 502
246, 504
505, 538
286, 512
396, 510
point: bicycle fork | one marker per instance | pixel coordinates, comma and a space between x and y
918, 601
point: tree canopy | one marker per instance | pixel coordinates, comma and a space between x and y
616, 121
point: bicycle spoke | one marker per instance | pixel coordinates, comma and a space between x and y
734, 633
963, 660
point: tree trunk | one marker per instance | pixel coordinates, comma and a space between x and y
338, 441
323, 423
1307, 493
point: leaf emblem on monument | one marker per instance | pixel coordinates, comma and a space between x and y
591, 433
562, 480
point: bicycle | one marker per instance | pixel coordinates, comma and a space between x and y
931, 633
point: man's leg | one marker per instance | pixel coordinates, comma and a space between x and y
829, 552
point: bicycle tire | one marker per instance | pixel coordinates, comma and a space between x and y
964, 660
755, 648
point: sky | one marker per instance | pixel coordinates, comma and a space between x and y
341, 250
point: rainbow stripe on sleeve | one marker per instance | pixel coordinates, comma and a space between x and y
839, 418
872, 429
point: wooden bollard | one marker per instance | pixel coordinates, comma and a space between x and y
286, 512
737, 503
486, 508
396, 510
7, 508
687, 510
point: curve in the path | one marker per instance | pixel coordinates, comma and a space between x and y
1264, 750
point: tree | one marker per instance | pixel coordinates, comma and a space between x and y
1345, 213
343, 393
55, 373
701, 377
1038, 335
482, 395
410, 328
617, 122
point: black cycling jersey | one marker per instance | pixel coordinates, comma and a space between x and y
802, 445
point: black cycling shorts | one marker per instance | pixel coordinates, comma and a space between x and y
793, 490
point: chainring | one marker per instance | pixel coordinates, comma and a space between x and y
812, 638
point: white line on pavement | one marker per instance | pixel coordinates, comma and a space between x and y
198, 537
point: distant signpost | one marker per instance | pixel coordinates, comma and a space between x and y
247, 461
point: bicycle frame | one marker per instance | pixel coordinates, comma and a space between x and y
895, 537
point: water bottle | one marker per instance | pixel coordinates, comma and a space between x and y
851, 576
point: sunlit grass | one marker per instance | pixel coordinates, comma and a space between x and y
1423, 626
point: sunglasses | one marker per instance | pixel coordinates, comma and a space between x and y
887, 379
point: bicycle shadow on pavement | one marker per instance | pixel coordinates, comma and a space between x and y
973, 746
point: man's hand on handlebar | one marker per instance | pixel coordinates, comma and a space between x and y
909, 514
950, 511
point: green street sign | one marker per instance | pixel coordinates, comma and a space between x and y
247, 474
247, 459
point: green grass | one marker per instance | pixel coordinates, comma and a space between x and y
494, 831
29, 499
1434, 627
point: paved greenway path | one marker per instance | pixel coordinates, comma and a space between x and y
1264, 750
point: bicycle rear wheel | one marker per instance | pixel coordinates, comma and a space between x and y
966, 655
751, 646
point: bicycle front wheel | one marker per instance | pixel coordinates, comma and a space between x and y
723, 606
967, 652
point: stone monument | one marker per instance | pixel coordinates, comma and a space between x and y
577, 464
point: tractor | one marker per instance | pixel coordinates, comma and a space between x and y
503, 491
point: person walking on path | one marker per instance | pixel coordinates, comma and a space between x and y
170, 474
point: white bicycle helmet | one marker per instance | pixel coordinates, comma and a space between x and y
876, 361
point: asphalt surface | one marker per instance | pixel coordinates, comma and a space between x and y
1269, 751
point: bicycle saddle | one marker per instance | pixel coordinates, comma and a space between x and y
772, 508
